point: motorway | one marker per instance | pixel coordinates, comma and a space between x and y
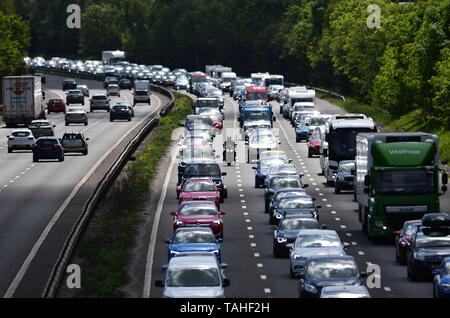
35, 196
247, 249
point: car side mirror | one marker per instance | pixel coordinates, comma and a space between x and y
436, 271
324, 227
290, 246
318, 207
87, 139
173, 213
159, 283
223, 265
226, 282
346, 245
224, 174
7, 136
54, 126
299, 275
397, 233
274, 118
274, 228
305, 186
220, 240
222, 213
364, 274
445, 179
255, 168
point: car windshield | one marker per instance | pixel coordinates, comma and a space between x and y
99, 97
346, 167
75, 93
198, 209
194, 237
56, 101
197, 153
315, 137
405, 182
302, 100
120, 108
271, 162
318, 121
280, 183
199, 187
410, 229
75, 110
207, 103
192, 122
343, 141
433, 238
21, 134
40, 124
47, 142
256, 96
317, 240
203, 170
141, 93
296, 203
298, 224
332, 269
345, 294
273, 155
202, 276
258, 140
282, 170
253, 115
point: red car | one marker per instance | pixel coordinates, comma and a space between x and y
403, 240
217, 122
199, 214
56, 106
201, 189
314, 144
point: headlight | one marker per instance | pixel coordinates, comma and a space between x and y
299, 258
278, 216
179, 223
419, 256
215, 252
445, 286
174, 252
217, 222
310, 288
282, 240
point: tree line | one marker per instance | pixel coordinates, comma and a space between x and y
400, 67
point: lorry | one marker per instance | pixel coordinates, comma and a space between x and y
259, 78
142, 85
22, 100
226, 79
113, 57
274, 80
397, 180
216, 71
341, 140
257, 117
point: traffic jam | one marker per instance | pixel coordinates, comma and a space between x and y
394, 178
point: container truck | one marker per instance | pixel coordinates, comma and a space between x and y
22, 100
397, 179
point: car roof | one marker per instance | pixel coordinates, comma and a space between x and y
331, 258
199, 180
188, 260
316, 231
194, 229
197, 203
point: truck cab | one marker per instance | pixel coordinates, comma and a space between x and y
257, 117
256, 92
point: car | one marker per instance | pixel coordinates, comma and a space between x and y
41, 128
120, 112
258, 143
69, 84
314, 144
48, 148
199, 214
403, 240
204, 169
84, 89
181, 83
352, 291
345, 176
285, 169
20, 139
275, 154
287, 230
301, 131
190, 275
141, 96
200, 122
280, 182
128, 104
430, 245
100, 101
76, 115
284, 193
110, 80
194, 239
200, 189
56, 105
313, 242
323, 271
262, 169
75, 97
294, 205
125, 84
74, 142
273, 90
441, 280
113, 90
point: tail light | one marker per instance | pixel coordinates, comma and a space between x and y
30, 138
57, 146
11, 138
36, 146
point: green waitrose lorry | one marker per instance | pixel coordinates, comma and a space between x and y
397, 179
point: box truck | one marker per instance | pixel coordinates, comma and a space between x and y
397, 179
22, 100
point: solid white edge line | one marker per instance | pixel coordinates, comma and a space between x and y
26, 264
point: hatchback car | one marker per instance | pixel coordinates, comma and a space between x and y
200, 189
84, 89
20, 139
345, 176
191, 275
48, 148
75, 97
314, 144
120, 112
76, 115
194, 239
278, 183
100, 102
141, 97
125, 84
199, 214
41, 128
110, 80
113, 90
128, 104
403, 240
75, 142
263, 168
69, 84
56, 106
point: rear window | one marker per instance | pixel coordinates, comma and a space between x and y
47, 142
21, 134
56, 101
72, 137
141, 93
120, 108
99, 97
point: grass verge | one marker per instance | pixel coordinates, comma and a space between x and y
105, 254
413, 121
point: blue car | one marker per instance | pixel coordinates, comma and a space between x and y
194, 239
441, 282
120, 112
301, 132
48, 148
263, 168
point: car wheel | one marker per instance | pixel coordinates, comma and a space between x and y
48, 111
110, 119
337, 189
86, 123
67, 124
275, 253
61, 159
10, 150
35, 159
85, 153
309, 155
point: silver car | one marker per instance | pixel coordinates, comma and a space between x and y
194, 275
311, 243
76, 115
100, 102
75, 142
84, 89
345, 291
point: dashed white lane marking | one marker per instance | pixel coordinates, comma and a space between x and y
388, 289
361, 253
267, 290
260, 265
250, 228
241, 195
314, 184
343, 227
324, 200
263, 277
245, 213
329, 205
253, 244
251, 236
354, 243
338, 219
333, 212
244, 207
348, 234
248, 221
256, 255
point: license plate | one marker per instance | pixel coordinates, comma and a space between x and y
72, 149
46, 148
20, 146
436, 266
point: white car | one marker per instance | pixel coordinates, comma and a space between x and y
260, 141
76, 115
113, 90
20, 139
84, 89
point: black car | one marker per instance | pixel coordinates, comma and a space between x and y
430, 245
322, 271
125, 84
295, 205
287, 230
283, 193
345, 176
278, 183
69, 84
120, 112
75, 97
204, 169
